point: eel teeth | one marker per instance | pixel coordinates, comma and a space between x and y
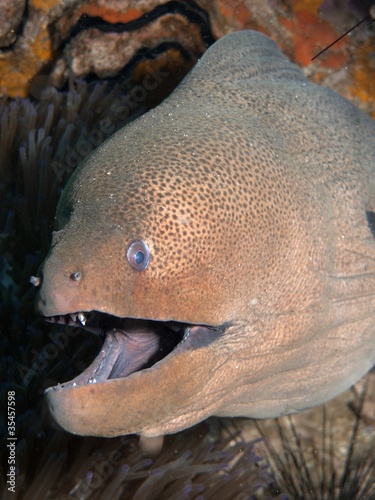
73, 317
82, 318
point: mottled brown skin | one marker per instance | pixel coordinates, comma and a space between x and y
250, 185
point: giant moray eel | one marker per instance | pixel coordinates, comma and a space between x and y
223, 245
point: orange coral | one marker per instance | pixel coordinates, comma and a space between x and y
45, 5
109, 14
312, 34
17, 71
237, 11
310, 6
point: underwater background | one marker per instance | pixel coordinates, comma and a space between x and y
71, 74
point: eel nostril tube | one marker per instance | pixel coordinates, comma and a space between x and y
35, 280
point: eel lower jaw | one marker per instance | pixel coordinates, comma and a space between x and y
130, 345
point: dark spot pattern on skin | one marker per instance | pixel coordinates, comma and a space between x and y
371, 221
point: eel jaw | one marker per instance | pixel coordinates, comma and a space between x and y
144, 381
129, 345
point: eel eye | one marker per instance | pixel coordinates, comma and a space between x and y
138, 255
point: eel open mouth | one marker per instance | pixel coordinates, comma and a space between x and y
130, 345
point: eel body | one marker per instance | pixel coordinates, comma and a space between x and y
223, 245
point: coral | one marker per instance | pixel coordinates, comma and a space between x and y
55, 40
